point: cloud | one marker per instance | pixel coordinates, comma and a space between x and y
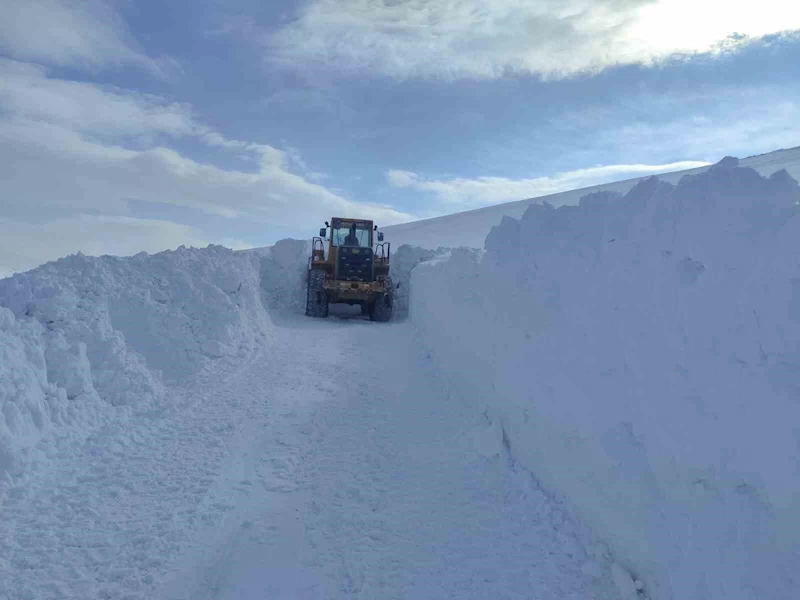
85, 33
69, 148
86, 175
27, 245
90, 109
102, 145
487, 39
706, 123
462, 194
402, 178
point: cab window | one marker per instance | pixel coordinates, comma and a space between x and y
343, 235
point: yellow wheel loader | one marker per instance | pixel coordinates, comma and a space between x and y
352, 268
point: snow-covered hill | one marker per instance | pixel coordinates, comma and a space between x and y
470, 228
598, 400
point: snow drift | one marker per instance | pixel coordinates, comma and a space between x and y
83, 339
642, 353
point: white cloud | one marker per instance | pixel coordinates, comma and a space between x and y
90, 109
70, 148
487, 39
45, 167
80, 33
102, 145
463, 194
27, 245
742, 129
707, 122
402, 178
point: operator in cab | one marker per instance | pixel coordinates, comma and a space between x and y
352, 238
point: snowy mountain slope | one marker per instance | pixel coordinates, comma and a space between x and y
470, 228
642, 355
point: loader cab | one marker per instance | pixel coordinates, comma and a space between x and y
351, 251
347, 232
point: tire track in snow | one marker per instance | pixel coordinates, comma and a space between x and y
266, 458
405, 492
332, 465
110, 518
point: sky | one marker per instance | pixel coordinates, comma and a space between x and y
130, 126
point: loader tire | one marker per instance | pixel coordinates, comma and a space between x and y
366, 307
316, 296
381, 309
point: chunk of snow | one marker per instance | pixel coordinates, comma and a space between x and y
283, 275
68, 367
729, 162
624, 583
214, 349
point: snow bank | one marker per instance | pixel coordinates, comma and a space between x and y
42, 382
165, 312
82, 337
643, 355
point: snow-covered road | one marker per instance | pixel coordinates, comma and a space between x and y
331, 465
375, 484
166, 434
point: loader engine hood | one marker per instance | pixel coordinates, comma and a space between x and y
354, 264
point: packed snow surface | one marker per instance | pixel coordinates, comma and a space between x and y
602, 403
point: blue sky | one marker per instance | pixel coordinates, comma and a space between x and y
142, 125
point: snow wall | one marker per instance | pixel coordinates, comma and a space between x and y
284, 268
403, 261
84, 340
642, 353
